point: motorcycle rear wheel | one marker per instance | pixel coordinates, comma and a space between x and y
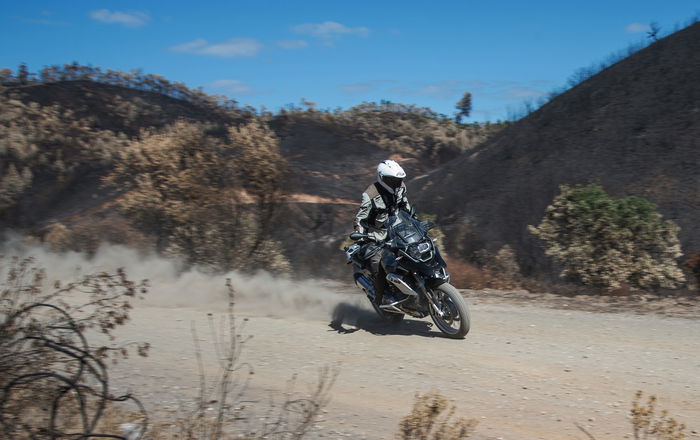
456, 319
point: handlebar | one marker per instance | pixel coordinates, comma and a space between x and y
358, 236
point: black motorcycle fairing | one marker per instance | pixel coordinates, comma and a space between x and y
404, 230
409, 238
414, 256
419, 286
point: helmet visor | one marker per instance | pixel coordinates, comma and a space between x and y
392, 182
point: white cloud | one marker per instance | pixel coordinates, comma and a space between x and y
292, 44
359, 88
440, 89
522, 93
232, 48
128, 19
356, 88
45, 22
236, 87
328, 31
635, 28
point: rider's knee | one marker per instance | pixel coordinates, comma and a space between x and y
389, 262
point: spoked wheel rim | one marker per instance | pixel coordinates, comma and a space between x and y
451, 321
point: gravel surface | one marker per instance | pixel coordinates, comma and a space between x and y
525, 371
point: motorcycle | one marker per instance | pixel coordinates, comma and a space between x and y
419, 285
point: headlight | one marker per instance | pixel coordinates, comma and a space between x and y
421, 251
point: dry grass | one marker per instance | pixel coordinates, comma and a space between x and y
466, 275
432, 419
648, 424
221, 410
53, 382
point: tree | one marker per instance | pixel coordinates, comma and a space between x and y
653, 32
605, 242
464, 106
23, 74
6, 75
207, 200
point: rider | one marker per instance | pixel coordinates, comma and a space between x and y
382, 197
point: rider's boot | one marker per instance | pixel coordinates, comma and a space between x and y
379, 292
383, 298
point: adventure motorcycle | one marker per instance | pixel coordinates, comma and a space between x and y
419, 285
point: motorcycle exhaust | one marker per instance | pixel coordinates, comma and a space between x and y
401, 284
365, 285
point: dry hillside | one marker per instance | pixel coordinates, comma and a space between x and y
634, 128
71, 123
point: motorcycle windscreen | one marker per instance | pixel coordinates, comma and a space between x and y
405, 228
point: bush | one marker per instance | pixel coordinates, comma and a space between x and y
692, 268
52, 381
607, 243
222, 412
431, 419
646, 423
54, 384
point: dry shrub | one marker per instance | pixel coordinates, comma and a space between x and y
48, 144
221, 410
59, 238
505, 264
88, 234
53, 384
52, 381
465, 275
691, 267
209, 201
604, 242
496, 271
648, 424
432, 419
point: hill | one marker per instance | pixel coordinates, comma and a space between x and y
70, 124
59, 139
634, 128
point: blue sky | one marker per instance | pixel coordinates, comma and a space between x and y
340, 53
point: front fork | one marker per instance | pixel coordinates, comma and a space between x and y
420, 282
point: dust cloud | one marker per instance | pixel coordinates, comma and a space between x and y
170, 285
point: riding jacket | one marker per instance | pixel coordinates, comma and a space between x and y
375, 209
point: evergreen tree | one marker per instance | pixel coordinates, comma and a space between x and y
464, 106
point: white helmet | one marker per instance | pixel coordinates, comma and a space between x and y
390, 175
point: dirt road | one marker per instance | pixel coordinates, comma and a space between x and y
524, 372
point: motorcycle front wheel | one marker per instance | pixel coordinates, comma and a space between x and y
454, 318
